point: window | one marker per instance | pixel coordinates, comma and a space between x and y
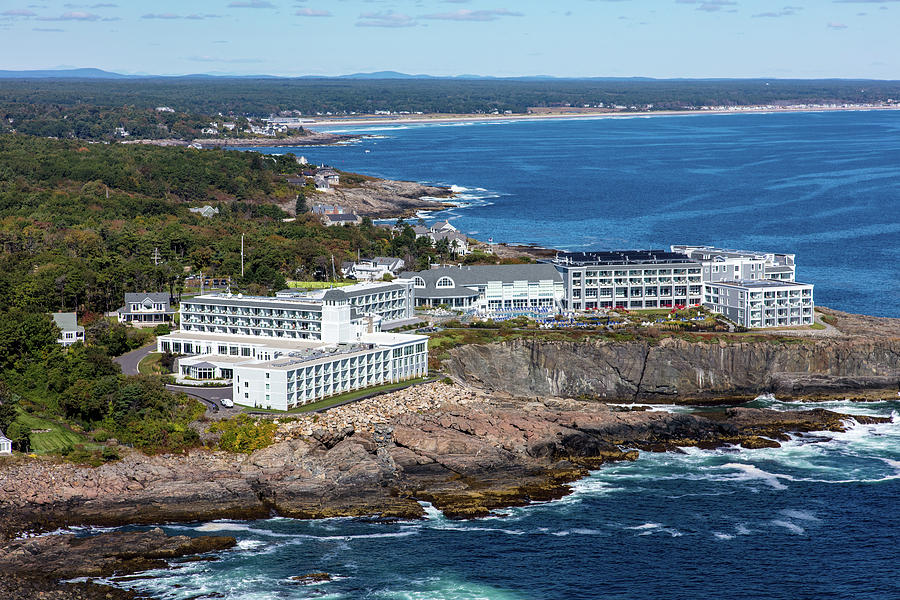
444, 282
418, 282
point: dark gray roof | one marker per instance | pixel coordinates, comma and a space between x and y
481, 275
204, 365
334, 295
348, 293
341, 217
779, 269
141, 296
622, 257
386, 260
457, 292
449, 235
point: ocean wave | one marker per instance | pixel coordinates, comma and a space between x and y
792, 527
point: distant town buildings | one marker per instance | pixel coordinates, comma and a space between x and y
146, 309
69, 329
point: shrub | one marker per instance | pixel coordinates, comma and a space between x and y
244, 434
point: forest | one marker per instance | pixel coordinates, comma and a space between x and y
93, 109
80, 225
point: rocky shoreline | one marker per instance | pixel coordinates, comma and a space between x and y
503, 439
385, 198
465, 452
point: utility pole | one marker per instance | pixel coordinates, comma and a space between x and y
333, 272
242, 256
156, 257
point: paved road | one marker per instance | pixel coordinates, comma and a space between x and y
210, 396
129, 361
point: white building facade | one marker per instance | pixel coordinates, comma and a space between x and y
762, 303
287, 351
629, 279
490, 288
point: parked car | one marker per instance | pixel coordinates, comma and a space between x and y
227, 402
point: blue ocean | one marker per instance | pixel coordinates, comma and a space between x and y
814, 519
825, 186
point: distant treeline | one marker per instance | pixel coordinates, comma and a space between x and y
92, 108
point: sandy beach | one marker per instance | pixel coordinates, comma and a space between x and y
438, 119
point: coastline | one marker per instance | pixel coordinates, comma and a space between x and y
441, 119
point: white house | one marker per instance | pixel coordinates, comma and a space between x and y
5, 445
69, 329
370, 269
456, 242
205, 211
443, 226
146, 309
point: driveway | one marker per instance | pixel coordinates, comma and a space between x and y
210, 396
129, 361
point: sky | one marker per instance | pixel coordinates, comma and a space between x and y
566, 38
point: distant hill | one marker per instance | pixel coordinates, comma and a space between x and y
62, 74
92, 73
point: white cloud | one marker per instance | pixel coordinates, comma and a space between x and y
311, 12
385, 19
251, 4
709, 5
473, 15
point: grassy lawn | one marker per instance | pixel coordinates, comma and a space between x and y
54, 440
817, 326
150, 364
349, 396
317, 285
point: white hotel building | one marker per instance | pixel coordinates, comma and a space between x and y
753, 289
630, 279
282, 352
755, 303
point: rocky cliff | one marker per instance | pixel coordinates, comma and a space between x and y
384, 198
677, 370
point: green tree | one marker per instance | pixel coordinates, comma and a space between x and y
301, 206
8, 404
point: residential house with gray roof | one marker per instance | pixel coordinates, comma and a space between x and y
69, 329
146, 309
